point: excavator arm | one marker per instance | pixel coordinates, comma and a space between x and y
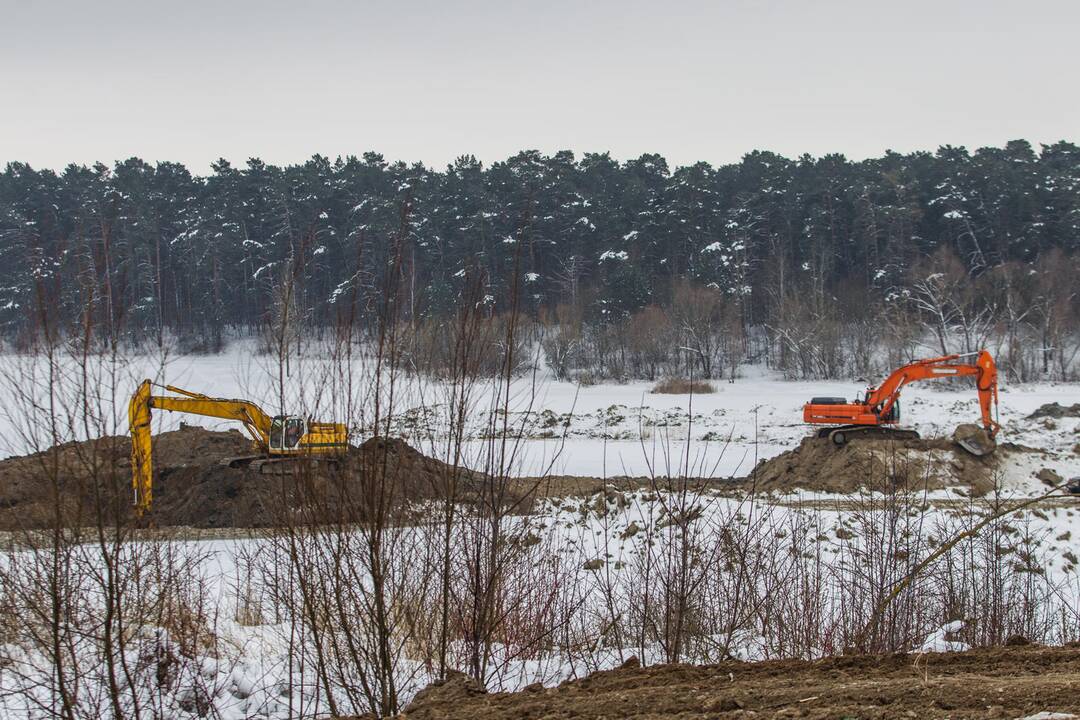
255, 421
882, 398
142, 470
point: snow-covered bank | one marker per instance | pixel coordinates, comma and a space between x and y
1024, 566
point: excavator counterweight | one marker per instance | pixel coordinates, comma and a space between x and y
879, 409
276, 438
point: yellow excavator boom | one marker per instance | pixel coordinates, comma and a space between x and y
267, 432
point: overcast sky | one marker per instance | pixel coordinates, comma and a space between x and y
192, 81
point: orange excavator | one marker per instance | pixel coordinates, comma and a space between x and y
879, 408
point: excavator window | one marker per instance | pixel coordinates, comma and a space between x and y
294, 430
276, 427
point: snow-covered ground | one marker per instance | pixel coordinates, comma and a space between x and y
603, 431
604, 542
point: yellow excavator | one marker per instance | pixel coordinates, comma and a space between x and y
280, 439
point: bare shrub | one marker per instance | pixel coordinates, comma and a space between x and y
428, 347
809, 337
562, 339
650, 341
957, 310
683, 386
709, 325
100, 620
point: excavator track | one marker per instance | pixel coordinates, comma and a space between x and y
291, 465
240, 461
844, 434
278, 465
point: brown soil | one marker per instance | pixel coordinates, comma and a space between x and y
192, 487
1010, 682
819, 465
933, 463
1055, 410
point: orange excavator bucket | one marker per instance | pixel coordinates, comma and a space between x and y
974, 439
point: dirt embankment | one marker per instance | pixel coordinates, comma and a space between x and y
820, 466
192, 487
1011, 682
878, 464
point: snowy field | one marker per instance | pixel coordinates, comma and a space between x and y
599, 431
255, 671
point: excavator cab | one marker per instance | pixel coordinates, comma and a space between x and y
286, 431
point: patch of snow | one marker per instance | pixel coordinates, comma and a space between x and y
937, 642
614, 255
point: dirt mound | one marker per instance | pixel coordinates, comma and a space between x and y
877, 464
993, 683
457, 687
192, 487
1055, 410
64, 478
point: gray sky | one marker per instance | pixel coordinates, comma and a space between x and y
192, 81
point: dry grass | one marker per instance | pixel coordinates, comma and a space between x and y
682, 386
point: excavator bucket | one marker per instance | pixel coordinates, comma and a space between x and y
974, 439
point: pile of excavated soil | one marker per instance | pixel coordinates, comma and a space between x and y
1055, 410
877, 464
193, 488
819, 465
1011, 682
210, 495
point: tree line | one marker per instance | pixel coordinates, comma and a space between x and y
795, 260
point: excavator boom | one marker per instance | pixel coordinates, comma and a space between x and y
142, 467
